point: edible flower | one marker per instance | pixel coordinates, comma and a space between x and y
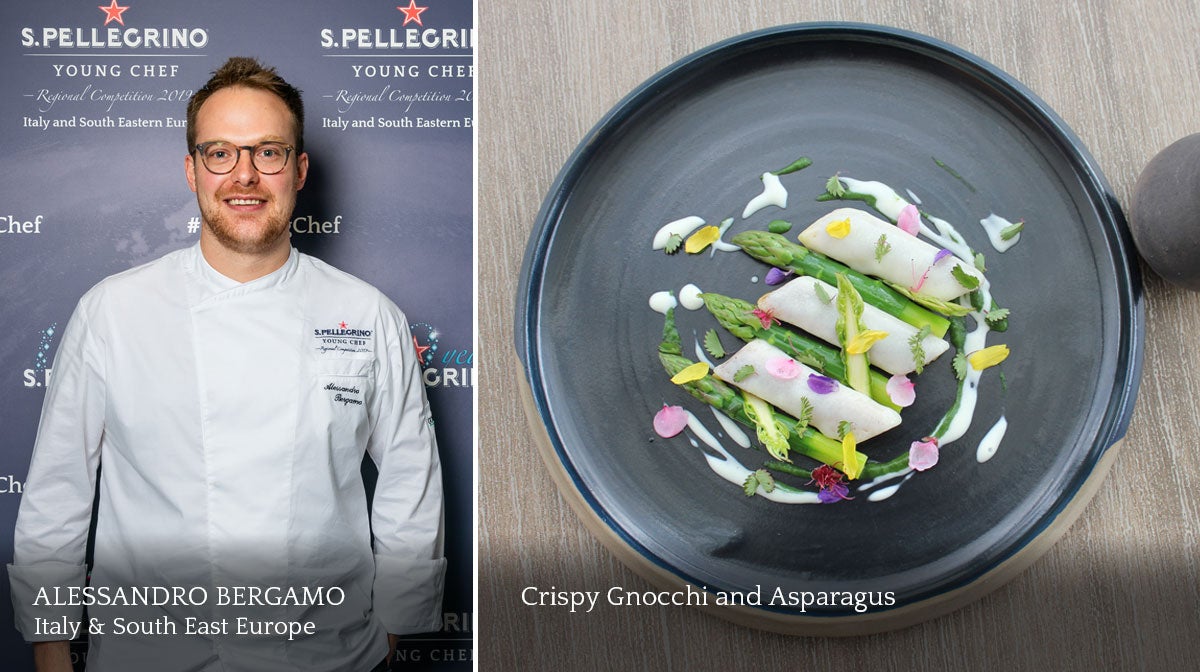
784, 368
988, 357
849, 464
692, 373
916, 287
901, 390
909, 220
766, 317
829, 482
670, 420
777, 276
863, 341
923, 454
821, 384
701, 239
839, 229
941, 254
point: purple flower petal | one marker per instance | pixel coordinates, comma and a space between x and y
821, 384
909, 220
834, 493
923, 454
784, 368
777, 276
942, 254
670, 420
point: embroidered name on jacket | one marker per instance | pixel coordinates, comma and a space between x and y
344, 394
343, 339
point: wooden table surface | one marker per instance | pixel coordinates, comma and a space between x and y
1119, 591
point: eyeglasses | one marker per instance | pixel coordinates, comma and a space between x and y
220, 157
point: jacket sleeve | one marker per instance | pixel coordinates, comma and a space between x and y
56, 505
406, 516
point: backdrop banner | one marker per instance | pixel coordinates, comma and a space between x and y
92, 114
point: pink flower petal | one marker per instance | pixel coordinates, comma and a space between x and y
901, 390
821, 384
923, 454
670, 421
909, 220
784, 368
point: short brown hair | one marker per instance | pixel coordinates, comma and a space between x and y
247, 72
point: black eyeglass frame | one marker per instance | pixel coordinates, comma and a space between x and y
287, 155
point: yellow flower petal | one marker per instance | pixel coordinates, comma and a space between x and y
987, 357
701, 239
864, 340
850, 465
838, 229
694, 372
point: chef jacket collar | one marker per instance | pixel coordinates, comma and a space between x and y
212, 283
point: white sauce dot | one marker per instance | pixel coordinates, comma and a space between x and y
689, 297
661, 302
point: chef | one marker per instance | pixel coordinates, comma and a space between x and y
224, 396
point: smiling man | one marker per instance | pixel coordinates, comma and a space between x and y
231, 391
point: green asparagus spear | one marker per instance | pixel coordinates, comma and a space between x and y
778, 251
737, 316
716, 393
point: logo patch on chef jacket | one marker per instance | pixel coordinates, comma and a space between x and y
343, 338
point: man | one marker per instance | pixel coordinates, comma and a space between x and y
230, 391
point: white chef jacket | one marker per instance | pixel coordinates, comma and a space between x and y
231, 420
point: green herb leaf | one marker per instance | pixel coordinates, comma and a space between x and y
779, 226
965, 279
806, 411
979, 262
882, 247
917, 345
673, 243
743, 373
996, 316
819, 290
750, 486
834, 187
1010, 232
712, 344
765, 479
844, 428
960, 366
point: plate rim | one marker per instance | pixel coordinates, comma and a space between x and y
1039, 537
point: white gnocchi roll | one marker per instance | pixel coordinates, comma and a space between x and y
905, 260
831, 406
799, 303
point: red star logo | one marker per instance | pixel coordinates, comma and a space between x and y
342, 324
411, 13
420, 349
113, 13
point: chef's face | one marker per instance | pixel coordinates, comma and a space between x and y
244, 210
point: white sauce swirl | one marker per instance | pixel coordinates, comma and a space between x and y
994, 224
991, 441
680, 227
773, 193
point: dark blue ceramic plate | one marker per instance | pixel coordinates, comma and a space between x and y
871, 103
